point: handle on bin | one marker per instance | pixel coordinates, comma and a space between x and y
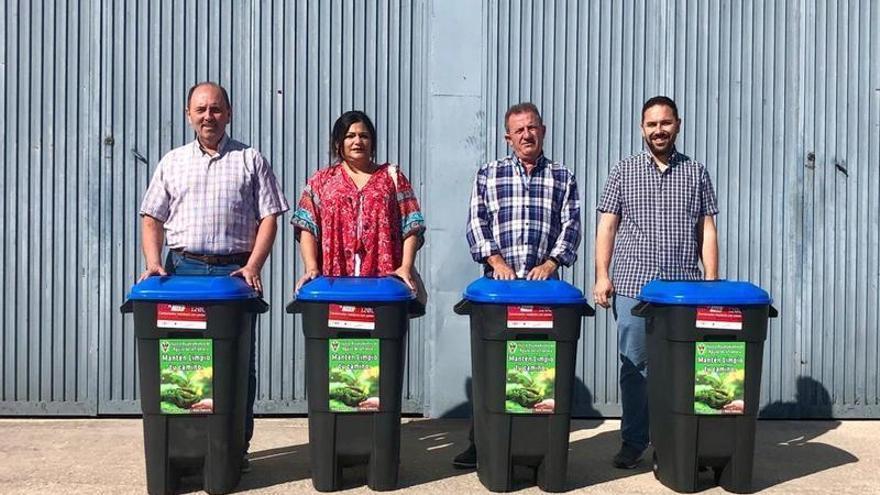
259, 305
462, 307
773, 312
294, 307
642, 309
415, 309
127, 307
587, 310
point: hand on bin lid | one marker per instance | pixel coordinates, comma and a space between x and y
355, 289
543, 292
704, 293
182, 288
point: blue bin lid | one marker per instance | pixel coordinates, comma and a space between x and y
176, 288
704, 293
355, 289
543, 292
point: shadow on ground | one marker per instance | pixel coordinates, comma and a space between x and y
276, 466
589, 460
426, 451
427, 448
268, 468
787, 450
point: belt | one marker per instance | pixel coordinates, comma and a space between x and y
216, 259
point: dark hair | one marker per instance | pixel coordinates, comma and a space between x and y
196, 86
660, 100
340, 129
524, 107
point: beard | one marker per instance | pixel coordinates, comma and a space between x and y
663, 148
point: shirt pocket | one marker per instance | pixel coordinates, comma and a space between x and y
694, 203
237, 192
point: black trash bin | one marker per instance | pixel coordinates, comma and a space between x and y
355, 329
193, 340
523, 350
705, 343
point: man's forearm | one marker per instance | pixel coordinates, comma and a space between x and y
605, 235
709, 250
263, 244
153, 238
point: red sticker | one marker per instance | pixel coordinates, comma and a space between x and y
529, 317
181, 316
355, 317
719, 317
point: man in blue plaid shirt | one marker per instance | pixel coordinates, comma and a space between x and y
660, 207
525, 216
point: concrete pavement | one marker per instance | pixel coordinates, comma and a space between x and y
88, 456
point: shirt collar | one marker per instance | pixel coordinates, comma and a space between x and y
674, 159
540, 163
198, 150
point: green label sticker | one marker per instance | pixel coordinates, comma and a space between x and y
354, 375
531, 377
186, 380
720, 375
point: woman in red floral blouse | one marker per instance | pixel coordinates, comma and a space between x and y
364, 217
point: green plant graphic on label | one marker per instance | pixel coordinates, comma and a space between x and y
531, 377
186, 381
354, 374
720, 374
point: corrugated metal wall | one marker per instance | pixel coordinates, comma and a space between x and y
839, 162
48, 117
291, 68
588, 66
780, 99
92, 100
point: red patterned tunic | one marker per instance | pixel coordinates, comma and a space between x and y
371, 222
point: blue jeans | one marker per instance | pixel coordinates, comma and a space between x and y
176, 264
633, 373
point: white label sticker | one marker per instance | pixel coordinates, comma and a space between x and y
351, 317
181, 316
529, 317
719, 317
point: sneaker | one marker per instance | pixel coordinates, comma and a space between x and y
467, 459
628, 457
245, 464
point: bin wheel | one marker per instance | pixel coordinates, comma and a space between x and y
654, 466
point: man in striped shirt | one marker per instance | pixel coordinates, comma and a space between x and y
525, 217
214, 201
660, 207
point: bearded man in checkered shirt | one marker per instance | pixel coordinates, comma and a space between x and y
659, 206
525, 217
215, 202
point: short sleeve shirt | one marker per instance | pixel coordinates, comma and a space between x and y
213, 204
659, 215
367, 224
